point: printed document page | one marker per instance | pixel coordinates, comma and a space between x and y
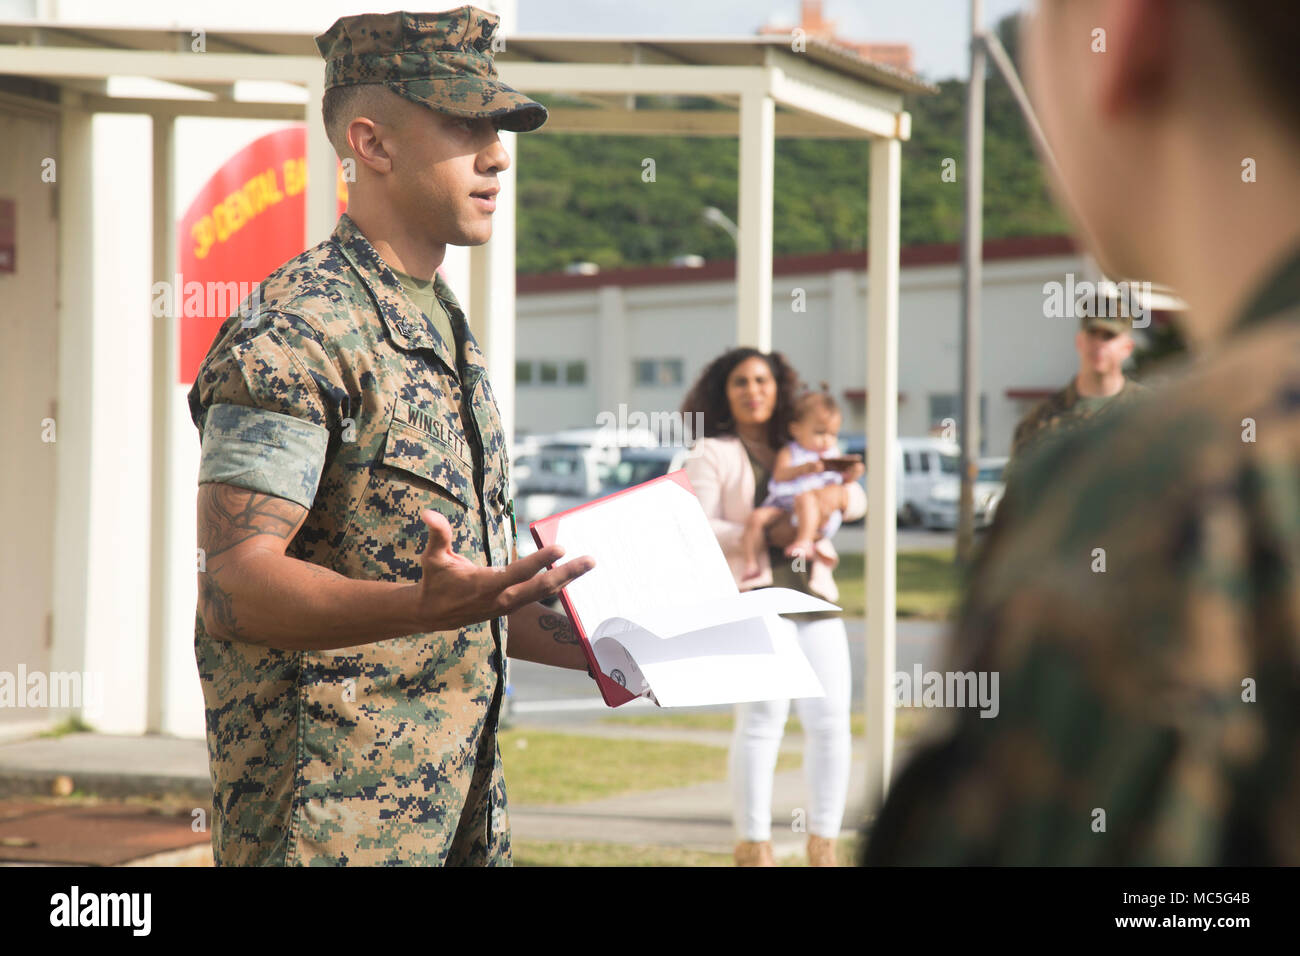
663, 613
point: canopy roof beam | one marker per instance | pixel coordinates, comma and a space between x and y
789, 124
174, 67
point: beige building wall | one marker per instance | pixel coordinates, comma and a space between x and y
817, 322
28, 386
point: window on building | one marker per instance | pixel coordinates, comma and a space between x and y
942, 407
909, 464
948, 406
539, 372
658, 372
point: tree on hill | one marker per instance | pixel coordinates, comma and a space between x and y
583, 198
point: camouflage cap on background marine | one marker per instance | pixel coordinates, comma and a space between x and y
1105, 312
440, 60
1118, 324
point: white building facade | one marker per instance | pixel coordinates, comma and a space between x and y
639, 338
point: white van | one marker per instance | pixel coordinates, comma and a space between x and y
920, 464
941, 509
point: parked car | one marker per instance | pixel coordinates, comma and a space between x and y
941, 508
562, 475
637, 465
553, 470
919, 465
925, 464
572, 462
566, 469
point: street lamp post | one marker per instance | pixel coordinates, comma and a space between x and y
972, 253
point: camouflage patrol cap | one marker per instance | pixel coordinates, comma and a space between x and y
1102, 311
440, 60
1117, 324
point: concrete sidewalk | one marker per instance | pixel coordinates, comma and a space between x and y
116, 827
107, 765
696, 817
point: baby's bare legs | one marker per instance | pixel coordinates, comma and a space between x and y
807, 513
751, 542
813, 509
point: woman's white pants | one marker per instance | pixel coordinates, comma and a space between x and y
827, 747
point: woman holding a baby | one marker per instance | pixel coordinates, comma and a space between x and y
768, 476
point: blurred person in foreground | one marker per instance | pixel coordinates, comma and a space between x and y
1139, 593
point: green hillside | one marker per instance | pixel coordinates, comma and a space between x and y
583, 198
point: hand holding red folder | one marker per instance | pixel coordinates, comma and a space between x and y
457, 592
661, 617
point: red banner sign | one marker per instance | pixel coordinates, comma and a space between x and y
243, 225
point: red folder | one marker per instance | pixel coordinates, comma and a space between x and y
544, 530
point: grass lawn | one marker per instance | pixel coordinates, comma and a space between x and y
530, 853
929, 584
907, 720
73, 725
547, 767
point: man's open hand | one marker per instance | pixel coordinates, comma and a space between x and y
455, 591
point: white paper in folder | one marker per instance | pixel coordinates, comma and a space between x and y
662, 609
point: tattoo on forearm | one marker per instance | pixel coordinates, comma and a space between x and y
560, 625
230, 516
219, 609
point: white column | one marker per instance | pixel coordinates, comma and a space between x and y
322, 168
490, 303
491, 306
613, 373
74, 525
843, 337
754, 252
882, 436
163, 557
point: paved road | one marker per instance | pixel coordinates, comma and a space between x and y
849, 540
548, 694
852, 540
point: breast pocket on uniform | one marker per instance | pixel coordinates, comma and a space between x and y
418, 453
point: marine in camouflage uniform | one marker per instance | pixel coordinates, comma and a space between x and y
1067, 409
1163, 690
341, 394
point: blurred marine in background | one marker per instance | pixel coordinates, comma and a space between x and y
1139, 594
1103, 344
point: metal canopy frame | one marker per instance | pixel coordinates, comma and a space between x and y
763, 87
